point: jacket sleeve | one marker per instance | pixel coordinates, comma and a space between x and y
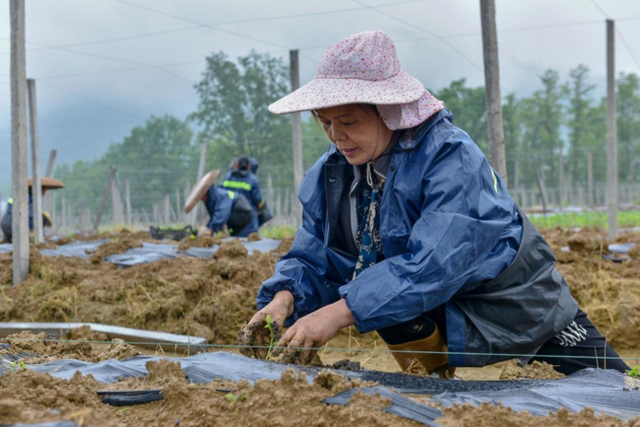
256, 194
464, 210
221, 211
306, 271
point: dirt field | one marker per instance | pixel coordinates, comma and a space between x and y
213, 298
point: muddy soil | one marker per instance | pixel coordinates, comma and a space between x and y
535, 371
201, 241
607, 291
487, 415
29, 397
40, 348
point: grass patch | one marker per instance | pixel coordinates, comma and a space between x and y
585, 219
279, 231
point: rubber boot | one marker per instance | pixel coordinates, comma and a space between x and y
437, 363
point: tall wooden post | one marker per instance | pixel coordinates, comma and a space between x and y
543, 195
590, 177
178, 207
105, 197
167, 210
19, 189
492, 87
296, 121
612, 150
561, 196
204, 149
36, 183
127, 195
269, 190
47, 203
516, 187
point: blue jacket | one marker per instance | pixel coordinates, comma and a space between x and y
247, 184
10, 210
219, 205
447, 225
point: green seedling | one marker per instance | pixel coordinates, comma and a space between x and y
635, 372
269, 326
232, 398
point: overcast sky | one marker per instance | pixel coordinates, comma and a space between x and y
104, 66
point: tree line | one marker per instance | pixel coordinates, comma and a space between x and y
563, 115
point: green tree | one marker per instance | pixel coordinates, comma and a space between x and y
468, 106
233, 113
542, 117
157, 158
511, 122
628, 125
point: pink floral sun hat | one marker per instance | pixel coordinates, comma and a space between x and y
364, 69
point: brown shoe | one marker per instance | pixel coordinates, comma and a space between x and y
408, 353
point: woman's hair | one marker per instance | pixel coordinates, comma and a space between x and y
366, 107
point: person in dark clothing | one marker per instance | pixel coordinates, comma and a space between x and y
227, 208
6, 222
243, 181
408, 231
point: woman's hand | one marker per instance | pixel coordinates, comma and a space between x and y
312, 331
256, 333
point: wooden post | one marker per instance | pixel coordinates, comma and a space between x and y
590, 177
127, 195
543, 196
561, 180
49, 172
187, 190
178, 207
612, 151
277, 209
19, 188
52, 210
114, 204
105, 197
516, 187
36, 183
203, 162
269, 190
296, 121
492, 87
167, 210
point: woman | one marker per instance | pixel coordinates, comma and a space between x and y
409, 232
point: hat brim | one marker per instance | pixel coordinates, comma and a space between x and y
47, 183
200, 189
325, 92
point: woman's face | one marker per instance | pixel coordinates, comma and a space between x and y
354, 129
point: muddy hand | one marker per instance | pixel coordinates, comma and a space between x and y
314, 330
255, 338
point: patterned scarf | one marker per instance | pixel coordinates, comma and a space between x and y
368, 235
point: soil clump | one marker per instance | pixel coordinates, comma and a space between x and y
607, 291
201, 241
116, 246
535, 371
488, 415
41, 348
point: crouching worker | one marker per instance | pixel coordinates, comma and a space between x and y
46, 184
409, 232
226, 208
242, 181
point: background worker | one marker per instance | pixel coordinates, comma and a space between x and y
225, 207
243, 181
46, 184
409, 232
